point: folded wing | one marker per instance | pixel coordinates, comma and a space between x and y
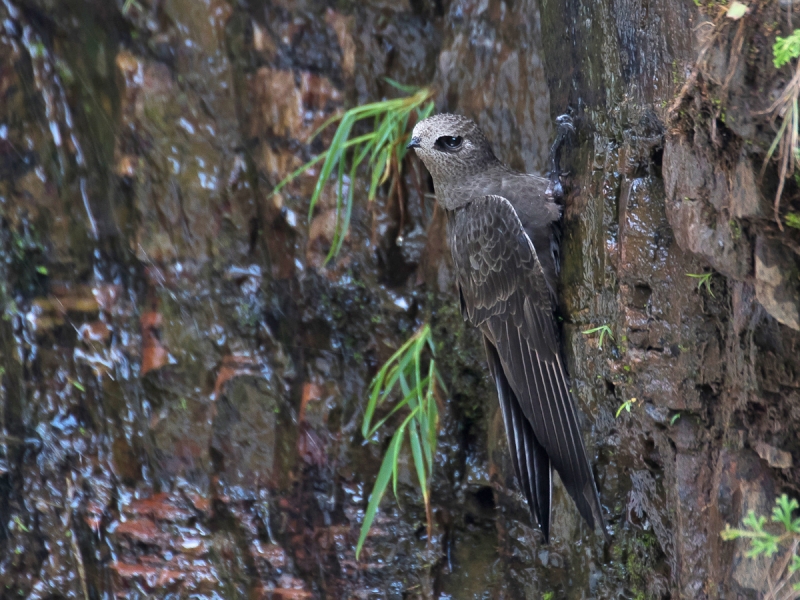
504, 293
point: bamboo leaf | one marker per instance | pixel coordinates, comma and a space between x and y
403, 373
378, 490
406, 89
407, 399
383, 151
416, 452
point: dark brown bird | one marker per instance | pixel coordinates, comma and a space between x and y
501, 229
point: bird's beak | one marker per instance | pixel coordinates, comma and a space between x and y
414, 143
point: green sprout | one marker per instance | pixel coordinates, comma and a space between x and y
404, 371
383, 150
703, 279
603, 330
766, 543
785, 108
793, 220
41, 270
625, 406
18, 522
674, 418
78, 385
130, 4
785, 49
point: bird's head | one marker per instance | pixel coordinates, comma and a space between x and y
452, 147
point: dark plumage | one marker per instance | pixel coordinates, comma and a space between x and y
502, 232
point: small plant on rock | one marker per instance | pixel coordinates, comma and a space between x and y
787, 140
703, 279
626, 406
785, 49
783, 581
603, 330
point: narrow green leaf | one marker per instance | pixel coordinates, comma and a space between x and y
335, 154
406, 89
385, 132
432, 417
403, 373
328, 122
416, 452
776, 141
398, 436
379, 383
408, 399
378, 490
377, 173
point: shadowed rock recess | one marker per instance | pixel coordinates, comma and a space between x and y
183, 379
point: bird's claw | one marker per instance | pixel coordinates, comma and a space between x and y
564, 129
554, 191
564, 123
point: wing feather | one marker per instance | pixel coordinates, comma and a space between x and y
503, 292
530, 461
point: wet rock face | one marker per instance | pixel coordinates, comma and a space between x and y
491, 68
700, 198
777, 287
184, 377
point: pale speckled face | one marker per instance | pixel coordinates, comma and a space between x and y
452, 147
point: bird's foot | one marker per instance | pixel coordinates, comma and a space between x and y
564, 129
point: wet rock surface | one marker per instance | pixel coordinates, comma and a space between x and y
183, 377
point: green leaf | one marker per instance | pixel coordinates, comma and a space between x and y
604, 330
432, 417
395, 454
782, 513
756, 523
403, 373
703, 279
18, 522
383, 151
626, 406
785, 49
407, 400
736, 10
126, 7
416, 452
380, 386
385, 473
406, 89
794, 567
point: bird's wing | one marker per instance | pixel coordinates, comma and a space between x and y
504, 293
531, 463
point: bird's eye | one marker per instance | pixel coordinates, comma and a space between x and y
448, 143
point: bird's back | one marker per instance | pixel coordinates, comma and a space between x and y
538, 213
